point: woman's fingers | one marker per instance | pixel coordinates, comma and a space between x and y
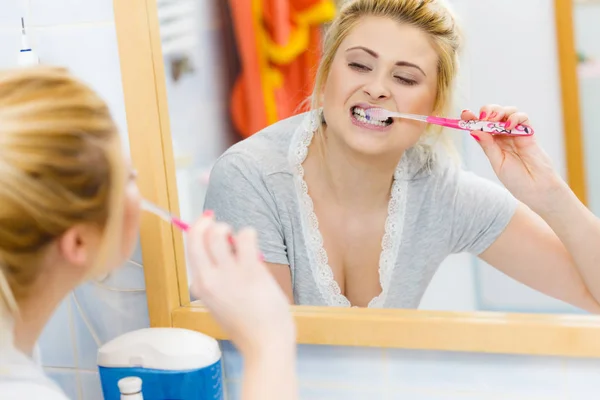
518, 118
220, 246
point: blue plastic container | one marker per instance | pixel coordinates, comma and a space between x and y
174, 364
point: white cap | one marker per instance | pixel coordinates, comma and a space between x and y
130, 385
171, 349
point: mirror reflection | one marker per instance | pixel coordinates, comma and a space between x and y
285, 126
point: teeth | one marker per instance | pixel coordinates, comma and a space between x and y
361, 116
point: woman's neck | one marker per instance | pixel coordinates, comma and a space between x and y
357, 181
36, 310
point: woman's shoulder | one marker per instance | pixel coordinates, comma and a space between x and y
266, 150
29, 390
427, 165
22, 378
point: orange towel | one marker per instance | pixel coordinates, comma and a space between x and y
279, 44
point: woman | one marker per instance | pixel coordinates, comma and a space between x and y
69, 211
352, 212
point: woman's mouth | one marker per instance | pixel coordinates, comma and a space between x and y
359, 118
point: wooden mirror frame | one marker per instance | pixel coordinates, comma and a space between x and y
169, 303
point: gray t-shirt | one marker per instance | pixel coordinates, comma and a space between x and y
436, 209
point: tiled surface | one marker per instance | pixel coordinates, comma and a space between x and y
587, 31
355, 373
111, 313
10, 44
57, 341
484, 373
343, 392
232, 361
68, 381
86, 346
12, 11
583, 378
364, 367
91, 53
59, 12
90, 383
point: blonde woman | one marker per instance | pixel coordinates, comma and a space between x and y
69, 210
352, 212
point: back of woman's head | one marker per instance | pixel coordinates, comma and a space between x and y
60, 166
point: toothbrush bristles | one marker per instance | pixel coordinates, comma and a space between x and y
377, 113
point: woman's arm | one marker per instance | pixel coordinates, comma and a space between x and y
270, 373
283, 276
231, 280
239, 196
530, 252
553, 242
579, 231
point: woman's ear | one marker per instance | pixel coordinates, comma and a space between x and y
79, 244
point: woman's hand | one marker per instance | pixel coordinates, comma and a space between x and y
520, 164
229, 277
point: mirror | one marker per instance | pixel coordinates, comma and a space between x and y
206, 51
586, 17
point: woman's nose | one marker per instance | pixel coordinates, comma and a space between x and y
377, 89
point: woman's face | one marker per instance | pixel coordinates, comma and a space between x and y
131, 214
131, 220
381, 63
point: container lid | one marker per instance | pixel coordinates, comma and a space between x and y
171, 349
130, 385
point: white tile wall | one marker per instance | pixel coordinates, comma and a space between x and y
90, 52
68, 379
459, 372
69, 12
362, 366
587, 31
12, 11
58, 338
10, 44
327, 372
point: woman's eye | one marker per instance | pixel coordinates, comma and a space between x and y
358, 67
406, 81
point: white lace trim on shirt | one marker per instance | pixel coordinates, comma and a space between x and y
319, 263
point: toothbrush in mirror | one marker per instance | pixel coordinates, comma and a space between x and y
495, 128
184, 226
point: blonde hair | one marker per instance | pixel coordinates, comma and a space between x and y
60, 165
431, 16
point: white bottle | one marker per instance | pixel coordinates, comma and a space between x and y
27, 57
130, 388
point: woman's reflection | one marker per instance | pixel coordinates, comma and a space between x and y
353, 212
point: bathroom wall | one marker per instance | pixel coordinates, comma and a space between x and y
510, 64
349, 373
587, 32
80, 35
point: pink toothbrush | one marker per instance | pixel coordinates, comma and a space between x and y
184, 226
164, 214
495, 128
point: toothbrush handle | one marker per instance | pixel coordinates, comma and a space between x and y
495, 128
